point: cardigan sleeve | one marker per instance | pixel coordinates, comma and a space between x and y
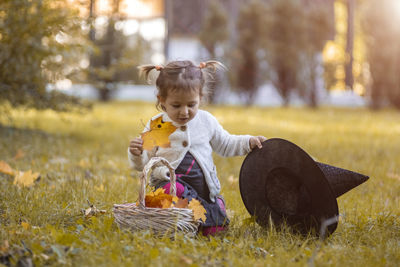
226, 144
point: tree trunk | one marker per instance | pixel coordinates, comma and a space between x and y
349, 79
92, 31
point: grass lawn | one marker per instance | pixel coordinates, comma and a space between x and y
83, 157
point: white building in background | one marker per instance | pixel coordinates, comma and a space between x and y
172, 27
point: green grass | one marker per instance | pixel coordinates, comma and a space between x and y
83, 156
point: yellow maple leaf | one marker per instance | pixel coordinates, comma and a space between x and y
5, 168
199, 212
25, 225
158, 135
25, 178
175, 199
99, 188
157, 192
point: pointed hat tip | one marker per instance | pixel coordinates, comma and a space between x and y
341, 180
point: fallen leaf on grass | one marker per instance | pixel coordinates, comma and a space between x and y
5, 246
25, 225
25, 178
92, 211
393, 175
44, 256
158, 135
199, 213
19, 155
99, 188
84, 163
5, 168
186, 260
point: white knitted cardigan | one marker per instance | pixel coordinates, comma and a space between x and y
200, 136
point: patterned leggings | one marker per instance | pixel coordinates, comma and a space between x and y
210, 230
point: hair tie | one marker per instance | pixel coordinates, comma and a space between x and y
202, 65
158, 67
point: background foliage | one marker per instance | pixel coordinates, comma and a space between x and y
43, 41
382, 35
40, 42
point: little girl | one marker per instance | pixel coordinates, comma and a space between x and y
181, 86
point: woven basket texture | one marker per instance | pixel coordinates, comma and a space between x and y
160, 221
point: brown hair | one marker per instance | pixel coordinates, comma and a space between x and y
183, 76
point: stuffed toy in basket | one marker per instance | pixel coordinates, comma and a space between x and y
161, 221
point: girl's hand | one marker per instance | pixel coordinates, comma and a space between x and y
255, 141
136, 146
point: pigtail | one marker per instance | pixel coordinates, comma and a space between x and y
144, 71
211, 70
212, 65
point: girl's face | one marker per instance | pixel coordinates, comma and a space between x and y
181, 107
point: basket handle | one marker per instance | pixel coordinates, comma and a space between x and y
143, 178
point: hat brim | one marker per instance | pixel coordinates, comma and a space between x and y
282, 182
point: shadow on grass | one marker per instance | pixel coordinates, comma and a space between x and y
11, 131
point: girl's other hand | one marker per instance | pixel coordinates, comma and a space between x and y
255, 141
136, 146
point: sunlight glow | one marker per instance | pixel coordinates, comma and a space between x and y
359, 89
63, 84
142, 9
103, 6
130, 27
137, 9
396, 6
330, 51
153, 29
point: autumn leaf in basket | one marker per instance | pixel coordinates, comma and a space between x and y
158, 135
158, 199
199, 212
181, 203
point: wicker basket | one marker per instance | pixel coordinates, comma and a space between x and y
159, 221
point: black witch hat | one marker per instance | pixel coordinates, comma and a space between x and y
282, 183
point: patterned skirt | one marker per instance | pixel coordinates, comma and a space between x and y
193, 185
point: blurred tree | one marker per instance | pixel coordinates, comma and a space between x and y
214, 30
285, 43
40, 42
250, 51
297, 32
381, 28
115, 56
316, 30
349, 77
213, 33
104, 62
